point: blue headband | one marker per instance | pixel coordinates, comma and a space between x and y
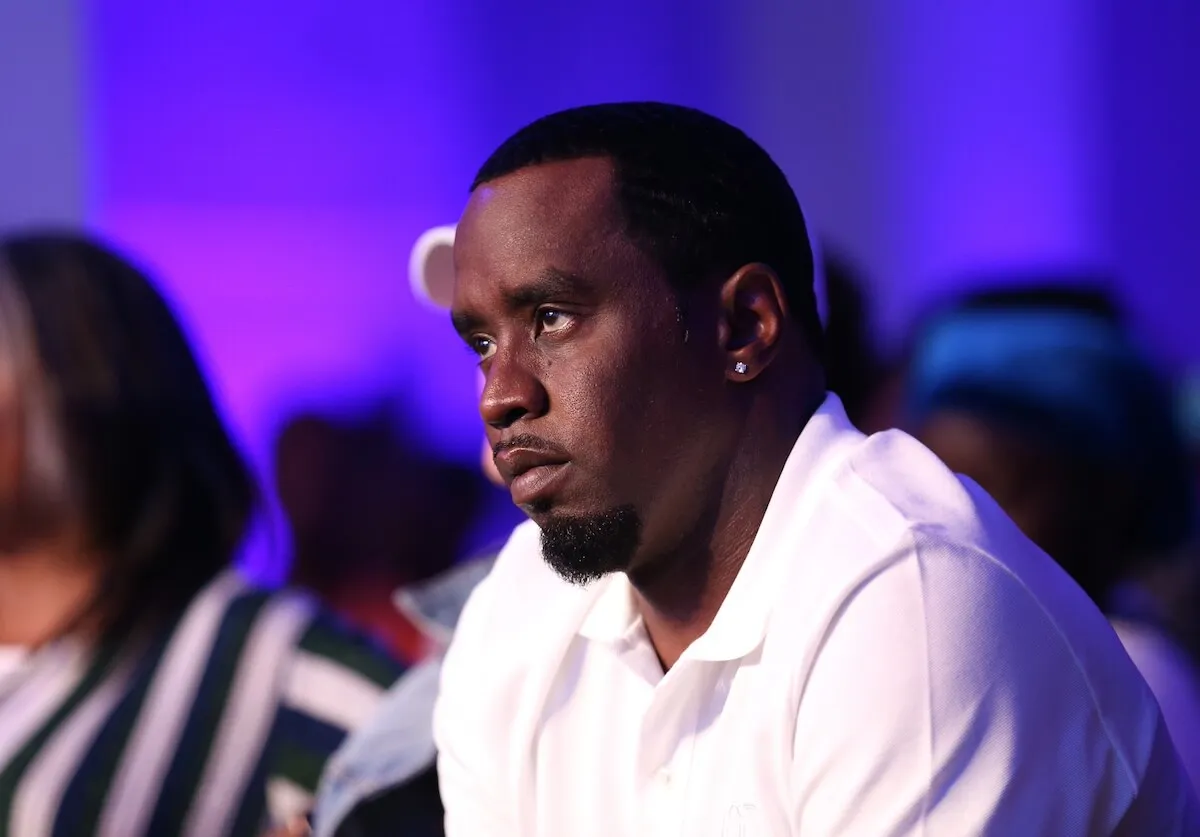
1069, 376
1071, 380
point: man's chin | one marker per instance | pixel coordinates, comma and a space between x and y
573, 576
544, 511
583, 548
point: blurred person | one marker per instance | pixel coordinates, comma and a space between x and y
1188, 408
853, 370
1181, 599
1163, 588
369, 514
383, 781
145, 688
729, 606
1039, 394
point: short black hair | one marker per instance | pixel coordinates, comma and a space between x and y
699, 196
159, 489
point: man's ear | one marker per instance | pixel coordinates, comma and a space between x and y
753, 311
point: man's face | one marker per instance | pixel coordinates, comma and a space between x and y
602, 400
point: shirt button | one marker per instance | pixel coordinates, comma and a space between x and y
664, 776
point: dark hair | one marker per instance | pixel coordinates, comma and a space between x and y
1084, 295
853, 368
157, 487
699, 196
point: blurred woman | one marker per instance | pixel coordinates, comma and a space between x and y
145, 688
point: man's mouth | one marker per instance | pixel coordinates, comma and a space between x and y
531, 473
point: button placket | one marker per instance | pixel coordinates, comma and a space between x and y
667, 748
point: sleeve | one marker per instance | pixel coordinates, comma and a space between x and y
1172, 678
333, 685
466, 746
945, 702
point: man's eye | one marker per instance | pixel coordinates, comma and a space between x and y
482, 347
550, 320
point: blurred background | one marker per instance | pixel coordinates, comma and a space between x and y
272, 163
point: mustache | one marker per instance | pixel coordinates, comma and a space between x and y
529, 442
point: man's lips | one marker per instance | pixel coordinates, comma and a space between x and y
513, 462
530, 472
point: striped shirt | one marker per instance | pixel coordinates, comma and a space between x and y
219, 725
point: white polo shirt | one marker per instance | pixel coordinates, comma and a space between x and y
894, 658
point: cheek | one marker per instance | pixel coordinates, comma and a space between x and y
632, 411
627, 394
487, 463
590, 396
595, 395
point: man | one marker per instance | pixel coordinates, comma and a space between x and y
382, 779
731, 613
1039, 393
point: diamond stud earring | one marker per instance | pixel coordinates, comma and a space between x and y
740, 368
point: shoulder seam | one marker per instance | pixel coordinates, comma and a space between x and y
1122, 756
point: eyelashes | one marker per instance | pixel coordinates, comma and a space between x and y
548, 321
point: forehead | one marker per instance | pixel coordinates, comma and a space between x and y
557, 215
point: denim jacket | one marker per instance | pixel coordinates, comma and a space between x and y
395, 748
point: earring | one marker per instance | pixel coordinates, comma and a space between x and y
740, 368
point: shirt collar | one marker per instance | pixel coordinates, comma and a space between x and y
613, 617
741, 622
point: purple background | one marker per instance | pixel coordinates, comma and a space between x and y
273, 161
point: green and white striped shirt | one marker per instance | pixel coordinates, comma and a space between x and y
218, 726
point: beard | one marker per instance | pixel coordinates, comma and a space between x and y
583, 549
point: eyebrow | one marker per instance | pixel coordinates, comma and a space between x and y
548, 285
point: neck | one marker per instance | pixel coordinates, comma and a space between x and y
42, 594
679, 594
